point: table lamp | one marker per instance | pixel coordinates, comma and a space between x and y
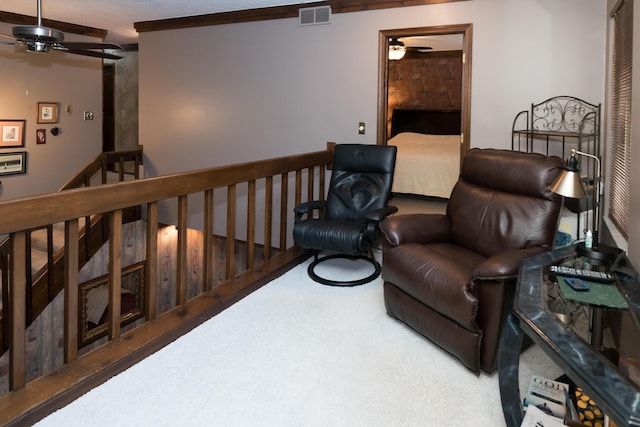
569, 184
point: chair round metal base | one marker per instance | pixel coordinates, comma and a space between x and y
370, 259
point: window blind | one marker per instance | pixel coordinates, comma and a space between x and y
620, 142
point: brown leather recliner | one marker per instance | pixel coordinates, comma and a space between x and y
452, 277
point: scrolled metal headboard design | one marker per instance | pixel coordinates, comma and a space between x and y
564, 114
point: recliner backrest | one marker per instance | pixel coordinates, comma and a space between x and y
502, 201
361, 181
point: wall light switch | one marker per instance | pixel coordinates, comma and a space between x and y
361, 128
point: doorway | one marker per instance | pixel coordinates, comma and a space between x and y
385, 37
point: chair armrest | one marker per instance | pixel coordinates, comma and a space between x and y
306, 207
416, 228
380, 214
505, 265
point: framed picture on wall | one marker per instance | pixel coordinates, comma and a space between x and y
13, 163
41, 136
12, 133
47, 112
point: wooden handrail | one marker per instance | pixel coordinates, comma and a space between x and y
87, 201
23, 403
101, 163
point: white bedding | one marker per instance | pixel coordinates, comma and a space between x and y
427, 165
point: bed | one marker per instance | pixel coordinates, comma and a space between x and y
428, 159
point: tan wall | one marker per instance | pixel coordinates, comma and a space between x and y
73, 80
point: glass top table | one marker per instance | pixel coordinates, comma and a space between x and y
570, 333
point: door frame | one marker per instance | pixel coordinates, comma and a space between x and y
383, 76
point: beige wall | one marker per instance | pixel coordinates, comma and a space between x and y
26, 79
232, 93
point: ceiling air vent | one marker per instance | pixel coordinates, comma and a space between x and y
315, 15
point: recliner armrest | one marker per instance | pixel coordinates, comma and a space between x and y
416, 228
505, 265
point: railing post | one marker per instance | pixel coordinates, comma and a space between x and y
251, 223
151, 272
103, 168
231, 232
17, 295
136, 167
115, 272
268, 216
50, 261
298, 190
120, 168
208, 253
310, 183
284, 196
71, 235
28, 279
181, 280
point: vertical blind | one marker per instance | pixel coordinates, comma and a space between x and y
620, 143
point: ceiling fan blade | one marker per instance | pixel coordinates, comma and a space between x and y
7, 36
85, 45
92, 53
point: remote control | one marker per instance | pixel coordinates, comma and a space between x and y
594, 276
577, 284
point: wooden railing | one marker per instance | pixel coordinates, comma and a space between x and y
122, 162
48, 281
261, 186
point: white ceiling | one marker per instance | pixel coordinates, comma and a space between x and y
439, 42
118, 16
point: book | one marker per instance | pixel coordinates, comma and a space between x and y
549, 396
536, 418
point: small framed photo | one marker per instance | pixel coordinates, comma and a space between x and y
12, 133
13, 163
47, 112
41, 136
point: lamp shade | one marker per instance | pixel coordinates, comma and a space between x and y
569, 184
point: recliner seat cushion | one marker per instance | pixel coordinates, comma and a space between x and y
437, 275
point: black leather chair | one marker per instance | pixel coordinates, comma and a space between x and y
346, 223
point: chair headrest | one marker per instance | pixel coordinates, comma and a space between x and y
516, 172
364, 158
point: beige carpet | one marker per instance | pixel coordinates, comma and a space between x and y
296, 353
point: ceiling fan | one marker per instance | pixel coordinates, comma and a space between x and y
397, 49
37, 38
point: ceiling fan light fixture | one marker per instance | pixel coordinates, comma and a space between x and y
37, 47
396, 49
